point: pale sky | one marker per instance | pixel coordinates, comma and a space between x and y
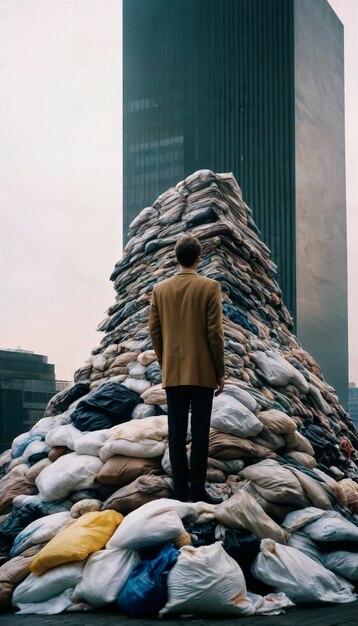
347, 11
61, 180
61, 173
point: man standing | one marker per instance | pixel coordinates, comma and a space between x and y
185, 325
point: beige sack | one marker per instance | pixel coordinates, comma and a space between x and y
142, 490
277, 421
12, 573
242, 512
121, 470
154, 395
225, 446
275, 483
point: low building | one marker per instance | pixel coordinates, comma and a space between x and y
62, 384
27, 382
353, 402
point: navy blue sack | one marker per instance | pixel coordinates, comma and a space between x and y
145, 591
110, 404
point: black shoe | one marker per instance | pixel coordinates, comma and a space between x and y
205, 497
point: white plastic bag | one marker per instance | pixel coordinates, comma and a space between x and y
271, 604
51, 584
46, 424
18, 442
242, 396
186, 510
154, 522
104, 575
92, 442
302, 579
230, 416
68, 473
52, 606
35, 447
136, 370
39, 531
143, 410
158, 529
206, 580
138, 385
64, 435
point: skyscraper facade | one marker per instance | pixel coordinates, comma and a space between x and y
254, 87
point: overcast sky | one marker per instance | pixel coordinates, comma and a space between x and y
60, 189
60, 173
347, 11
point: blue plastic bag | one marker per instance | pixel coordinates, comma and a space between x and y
145, 591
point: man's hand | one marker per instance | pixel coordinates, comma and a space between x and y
220, 386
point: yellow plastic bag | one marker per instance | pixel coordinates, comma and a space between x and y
85, 535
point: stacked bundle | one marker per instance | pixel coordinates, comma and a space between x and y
280, 441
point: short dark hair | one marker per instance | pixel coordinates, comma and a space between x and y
187, 250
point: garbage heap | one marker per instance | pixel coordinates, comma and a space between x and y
87, 517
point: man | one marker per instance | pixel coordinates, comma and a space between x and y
185, 325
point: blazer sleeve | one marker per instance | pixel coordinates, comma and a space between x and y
215, 329
155, 329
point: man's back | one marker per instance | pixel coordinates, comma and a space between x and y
186, 329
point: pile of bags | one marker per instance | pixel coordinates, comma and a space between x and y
86, 510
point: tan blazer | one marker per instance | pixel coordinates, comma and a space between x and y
185, 326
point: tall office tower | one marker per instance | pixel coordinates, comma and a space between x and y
254, 87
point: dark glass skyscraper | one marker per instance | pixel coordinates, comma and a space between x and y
254, 87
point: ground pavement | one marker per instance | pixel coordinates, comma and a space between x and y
335, 615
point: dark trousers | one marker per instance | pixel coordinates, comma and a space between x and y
179, 400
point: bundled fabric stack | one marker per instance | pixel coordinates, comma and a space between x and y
87, 491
